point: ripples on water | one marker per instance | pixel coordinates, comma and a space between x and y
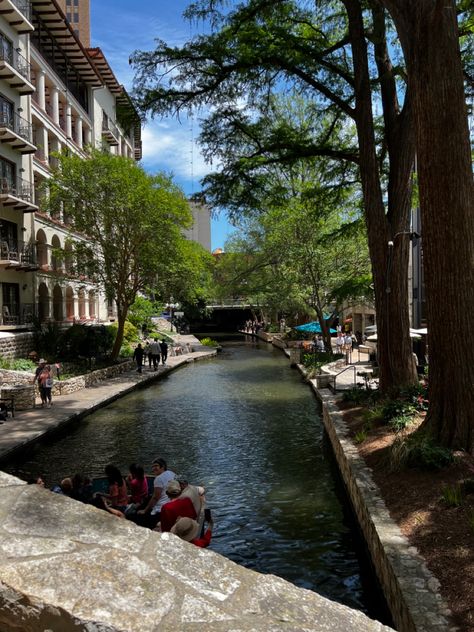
247, 428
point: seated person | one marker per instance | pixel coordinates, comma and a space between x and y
81, 488
138, 485
188, 529
117, 496
196, 494
176, 507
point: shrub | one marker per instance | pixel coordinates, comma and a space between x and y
360, 395
419, 450
452, 496
126, 351
360, 436
20, 364
209, 342
397, 408
130, 332
400, 422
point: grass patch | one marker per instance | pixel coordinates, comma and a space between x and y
452, 495
419, 450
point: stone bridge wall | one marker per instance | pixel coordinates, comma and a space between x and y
15, 345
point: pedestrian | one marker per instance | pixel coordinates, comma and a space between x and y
45, 381
155, 353
320, 344
348, 347
147, 353
39, 368
138, 357
339, 343
164, 350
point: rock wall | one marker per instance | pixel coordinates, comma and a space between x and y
15, 345
412, 592
67, 567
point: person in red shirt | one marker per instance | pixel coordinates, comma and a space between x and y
188, 529
138, 485
176, 507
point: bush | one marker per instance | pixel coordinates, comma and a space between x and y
130, 332
419, 450
209, 342
360, 395
126, 351
400, 422
20, 364
452, 496
397, 408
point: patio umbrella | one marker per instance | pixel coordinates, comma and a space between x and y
312, 328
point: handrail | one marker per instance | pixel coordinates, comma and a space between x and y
351, 366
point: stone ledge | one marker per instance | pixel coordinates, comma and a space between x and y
411, 590
65, 566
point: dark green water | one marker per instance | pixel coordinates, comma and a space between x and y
247, 428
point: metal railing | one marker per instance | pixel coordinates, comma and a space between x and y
18, 188
109, 126
17, 124
347, 368
24, 6
16, 61
18, 314
18, 251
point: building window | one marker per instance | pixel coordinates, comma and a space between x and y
76, 17
6, 111
7, 174
6, 49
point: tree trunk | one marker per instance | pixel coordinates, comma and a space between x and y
121, 317
429, 34
389, 263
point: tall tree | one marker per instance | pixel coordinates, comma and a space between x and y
429, 33
133, 223
322, 52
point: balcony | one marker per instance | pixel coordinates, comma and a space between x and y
18, 14
17, 194
18, 255
14, 315
16, 70
16, 132
110, 131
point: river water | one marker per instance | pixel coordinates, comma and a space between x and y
246, 427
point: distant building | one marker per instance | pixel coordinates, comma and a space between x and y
201, 230
78, 15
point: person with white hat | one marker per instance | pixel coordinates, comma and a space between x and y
188, 529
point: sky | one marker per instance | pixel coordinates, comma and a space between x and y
120, 27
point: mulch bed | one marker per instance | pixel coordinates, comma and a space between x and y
443, 535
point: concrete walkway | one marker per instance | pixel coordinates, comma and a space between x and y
28, 426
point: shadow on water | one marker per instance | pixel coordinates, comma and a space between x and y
246, 427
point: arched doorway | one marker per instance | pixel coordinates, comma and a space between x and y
69, 303
56, 256
58, 313
43, 303
42, 249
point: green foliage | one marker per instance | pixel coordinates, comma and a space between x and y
85, 341
397, 408
452, 495
141, 311
360, 436
400, 422
18, 364
209, 342
130, 332
360, 396
419, 450
374, 413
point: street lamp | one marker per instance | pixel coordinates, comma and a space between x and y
172, 306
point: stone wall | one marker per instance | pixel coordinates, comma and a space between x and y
15, 345
66, 567
412, 592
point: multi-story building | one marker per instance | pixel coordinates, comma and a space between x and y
55, 94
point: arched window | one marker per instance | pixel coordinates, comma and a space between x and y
58, 313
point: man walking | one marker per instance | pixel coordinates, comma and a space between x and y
138, 357
164, 350
155, 354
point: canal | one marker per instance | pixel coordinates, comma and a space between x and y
246, 427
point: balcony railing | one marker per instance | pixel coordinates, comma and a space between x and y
17, 187
14, 314
16, 61
17, 124
110, 131
19, 254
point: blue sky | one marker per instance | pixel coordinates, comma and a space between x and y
119, 27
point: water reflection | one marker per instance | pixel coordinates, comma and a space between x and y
246, 427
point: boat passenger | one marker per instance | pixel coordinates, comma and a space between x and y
188, 529
176, 507
81, 488
117, 496
150, 515
196, 494
138, 485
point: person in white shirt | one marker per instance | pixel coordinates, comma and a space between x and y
348, 347
150, 515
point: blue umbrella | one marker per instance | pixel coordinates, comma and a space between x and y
312, 328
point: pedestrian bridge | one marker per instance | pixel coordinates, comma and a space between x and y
230, 303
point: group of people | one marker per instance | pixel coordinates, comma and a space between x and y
253, 326
173, 506
153, 351
344, 343
44, 378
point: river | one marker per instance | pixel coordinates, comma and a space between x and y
246, 427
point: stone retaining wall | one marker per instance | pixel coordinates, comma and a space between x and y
66, 566
412, 592
15, 345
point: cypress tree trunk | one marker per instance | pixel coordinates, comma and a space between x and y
429, 35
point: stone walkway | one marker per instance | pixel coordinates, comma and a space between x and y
28, 426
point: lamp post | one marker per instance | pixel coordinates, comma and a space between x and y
172, 306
